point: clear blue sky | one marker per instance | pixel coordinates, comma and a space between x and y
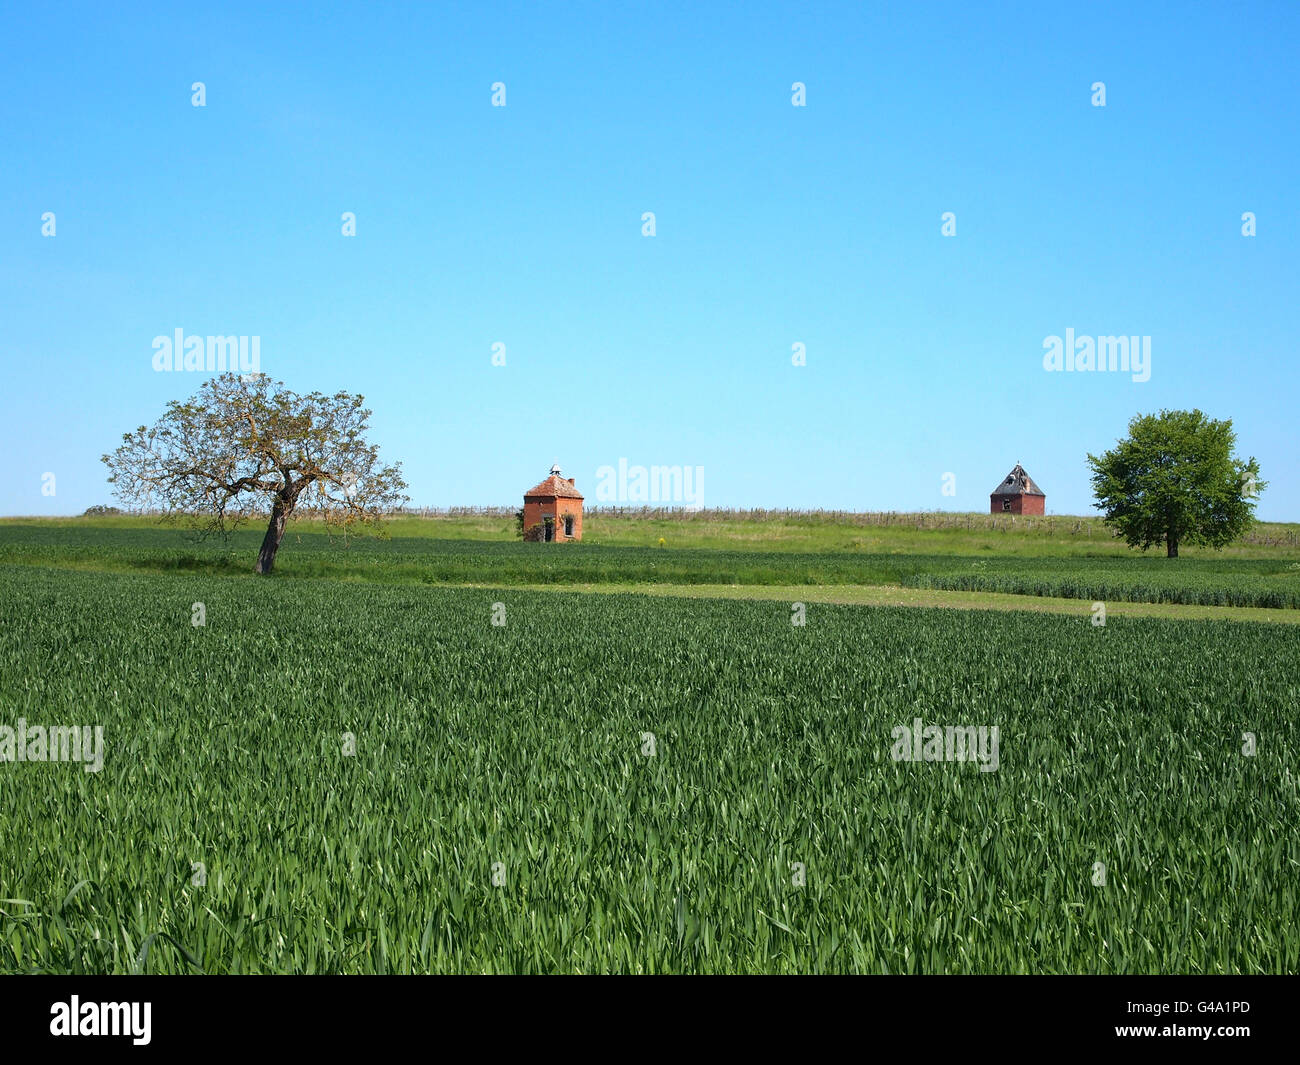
775, 225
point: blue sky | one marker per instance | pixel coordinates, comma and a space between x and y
775, 225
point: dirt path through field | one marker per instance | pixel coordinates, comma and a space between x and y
894, 595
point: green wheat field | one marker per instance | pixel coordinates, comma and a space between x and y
406, 755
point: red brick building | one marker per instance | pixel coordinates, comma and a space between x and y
553, 510
1017, 494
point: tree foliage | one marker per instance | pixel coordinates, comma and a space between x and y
247, 447
1174, 480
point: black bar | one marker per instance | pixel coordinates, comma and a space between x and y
339, 1014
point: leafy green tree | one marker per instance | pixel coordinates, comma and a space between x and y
246, 447
1174, 480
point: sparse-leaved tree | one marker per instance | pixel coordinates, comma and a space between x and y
247, 447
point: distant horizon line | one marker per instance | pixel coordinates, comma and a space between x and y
621, 509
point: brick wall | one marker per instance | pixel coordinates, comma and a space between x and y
535, 510
1019, 504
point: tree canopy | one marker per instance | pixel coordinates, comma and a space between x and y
1174, 480
247, 447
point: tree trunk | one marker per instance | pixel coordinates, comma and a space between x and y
1171, 545
274, 533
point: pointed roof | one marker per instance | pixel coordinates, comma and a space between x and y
554, 486
1018, 483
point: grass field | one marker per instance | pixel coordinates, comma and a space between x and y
350, 768
812, 532
1271, 580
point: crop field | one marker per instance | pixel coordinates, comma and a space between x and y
367, 776
816, 532
1134, 580
1209, 580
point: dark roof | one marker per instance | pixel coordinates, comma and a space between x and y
1018, 483
554, 486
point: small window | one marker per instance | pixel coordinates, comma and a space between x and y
568, 525
1006, 504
